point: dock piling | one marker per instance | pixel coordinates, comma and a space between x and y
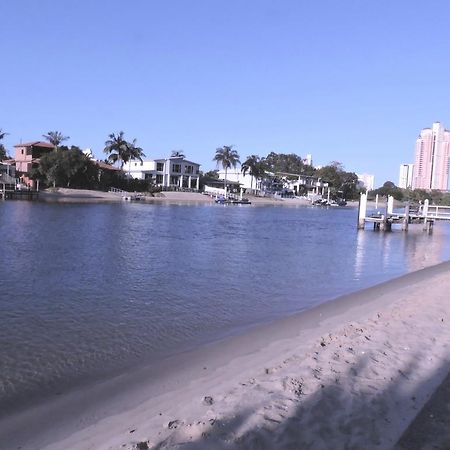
425, 214
390, 205
406, 218
362, 208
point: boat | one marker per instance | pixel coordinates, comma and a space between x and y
229, 201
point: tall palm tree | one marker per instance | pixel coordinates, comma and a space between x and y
55, 138
227, 157
134, 152
121, 151
3, 134
116, 147
3, 154
255, 166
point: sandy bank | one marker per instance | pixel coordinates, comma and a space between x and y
352, 373
89, 196
65, 195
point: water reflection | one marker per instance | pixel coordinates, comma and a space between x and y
414, 249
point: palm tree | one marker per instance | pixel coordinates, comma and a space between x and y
122, 151
3, 154
227, 158
177, 154
116, 147
134, 152
55, 138
255, 166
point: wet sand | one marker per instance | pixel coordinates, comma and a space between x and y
351, 373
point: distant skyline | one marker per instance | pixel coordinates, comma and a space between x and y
430, 169
350, 81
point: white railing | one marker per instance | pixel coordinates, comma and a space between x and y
118, 191
437, 212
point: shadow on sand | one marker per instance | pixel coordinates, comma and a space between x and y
347, 412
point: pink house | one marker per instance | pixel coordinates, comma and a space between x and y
27, 155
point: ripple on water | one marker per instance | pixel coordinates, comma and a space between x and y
90, 289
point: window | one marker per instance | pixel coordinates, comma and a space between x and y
159, 179
176, 168
160, 167
189, 169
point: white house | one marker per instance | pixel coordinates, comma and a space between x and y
277, 182
173, 172
246, 181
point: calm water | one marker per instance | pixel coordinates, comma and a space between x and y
87, 290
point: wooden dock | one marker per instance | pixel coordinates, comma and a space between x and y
9, 192
424, 214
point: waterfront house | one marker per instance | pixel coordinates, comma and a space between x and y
278, 183
27, 155
175, 172
216, 187
247, 181
299, 184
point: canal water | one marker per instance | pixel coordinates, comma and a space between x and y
89, 290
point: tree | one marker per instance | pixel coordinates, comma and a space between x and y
55, 138
134, 152
121, 151
227, 157
177, 154
255, 166
342, 184
212, 174
66, 167
288, 163
389, 188
3, 154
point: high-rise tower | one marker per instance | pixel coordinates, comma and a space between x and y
432, 158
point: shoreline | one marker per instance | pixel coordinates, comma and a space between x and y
246, 375
65, 195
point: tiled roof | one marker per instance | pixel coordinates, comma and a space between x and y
106, 166
36, 144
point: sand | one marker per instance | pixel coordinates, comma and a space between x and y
352, 373
90, 196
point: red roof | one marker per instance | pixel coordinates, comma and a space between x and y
106, 166
36, 144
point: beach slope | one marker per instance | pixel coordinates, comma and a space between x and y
352, 373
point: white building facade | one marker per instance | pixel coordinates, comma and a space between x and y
405, 178
175, 172
246, 181
285, 181
366, 181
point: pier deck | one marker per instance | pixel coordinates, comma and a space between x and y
425, 214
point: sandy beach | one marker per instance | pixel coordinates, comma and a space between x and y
351, 373
65, 195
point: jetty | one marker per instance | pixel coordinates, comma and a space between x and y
125, 195
9, 190
423, 214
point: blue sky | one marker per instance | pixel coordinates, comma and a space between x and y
352, 81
